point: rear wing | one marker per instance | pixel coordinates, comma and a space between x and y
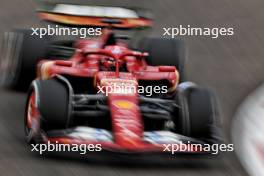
94, 16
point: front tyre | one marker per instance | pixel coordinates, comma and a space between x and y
198, 113
47, 108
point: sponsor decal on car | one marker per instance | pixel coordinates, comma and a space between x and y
123, 104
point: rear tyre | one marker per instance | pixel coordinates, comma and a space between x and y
48, 105
163, 51
197, 114
21, 53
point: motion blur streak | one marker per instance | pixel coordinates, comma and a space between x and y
248, 132
233, 66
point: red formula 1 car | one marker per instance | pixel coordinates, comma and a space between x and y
105, 91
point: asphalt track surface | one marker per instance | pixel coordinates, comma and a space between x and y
232, 66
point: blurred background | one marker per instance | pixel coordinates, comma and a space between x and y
232, 66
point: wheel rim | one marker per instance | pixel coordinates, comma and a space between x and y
32, 119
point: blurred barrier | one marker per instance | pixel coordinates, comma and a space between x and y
248, 133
